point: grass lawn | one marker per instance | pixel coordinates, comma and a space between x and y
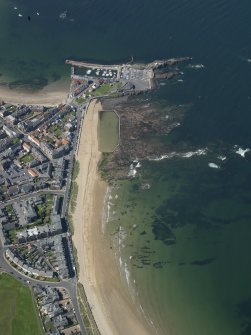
9, 209
55, 130
102, 90
80, 100
27, 158
15, 140
18, 314
108, 131
58, 132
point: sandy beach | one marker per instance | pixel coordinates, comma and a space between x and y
51, 95
111, 304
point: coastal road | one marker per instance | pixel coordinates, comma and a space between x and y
80, 115
66, 199
70, 285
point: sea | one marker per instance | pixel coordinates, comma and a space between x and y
182, 224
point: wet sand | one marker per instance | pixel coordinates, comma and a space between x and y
112, 306
51, 95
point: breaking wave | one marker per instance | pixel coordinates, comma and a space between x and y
196, 66
214, 166
133, 168
222, 158
240, 151
189, 154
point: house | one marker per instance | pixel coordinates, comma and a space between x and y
68, 126
47, 149
13, 190
33, 139
6, 163
32, 172
38, 155
56, 226
56, 205
22, 111
29, 213
9, 131
2, 134
3, 112
11, 119
32, 232
61, 151
27, 188
17, 163
5, 144
60, 321
49, 170
51, 309
26, 147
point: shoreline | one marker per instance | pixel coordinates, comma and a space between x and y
111, 304
52, 94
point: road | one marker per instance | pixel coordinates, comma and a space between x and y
70, 285
30, 195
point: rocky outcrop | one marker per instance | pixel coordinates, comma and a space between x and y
165, 74
139, 126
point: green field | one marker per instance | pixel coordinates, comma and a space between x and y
108, 131
18, 314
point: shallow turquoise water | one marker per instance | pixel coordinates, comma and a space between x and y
185, 242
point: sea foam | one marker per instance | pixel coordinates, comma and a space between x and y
222, 158
213, 165
240, 151
132, 171
189, 154
196, 66
133, 168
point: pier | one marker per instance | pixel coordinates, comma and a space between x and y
92, 65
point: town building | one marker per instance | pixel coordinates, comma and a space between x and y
9, 131
13, 190
32, 172
29, 212
34, 140
26, 147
